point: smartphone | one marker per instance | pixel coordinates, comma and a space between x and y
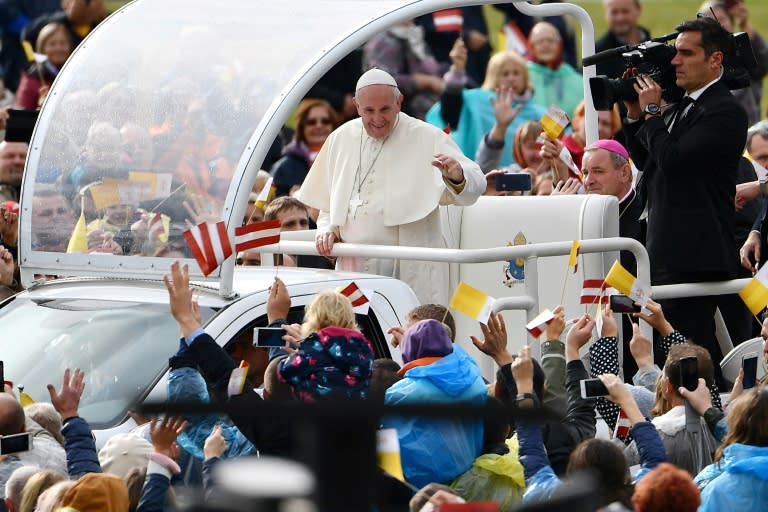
623, 304
268, 337
689, 373
591, 388
513, 182
16, 443
749, 365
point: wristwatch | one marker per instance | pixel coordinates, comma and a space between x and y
525, 396
653, 109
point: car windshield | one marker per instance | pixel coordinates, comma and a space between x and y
122, 347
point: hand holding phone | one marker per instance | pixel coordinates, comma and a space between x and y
623, 304
689, 373
268, 337
592, 388
513, 182
16, 443
749, 365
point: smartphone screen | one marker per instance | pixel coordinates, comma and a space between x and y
623, 304
749, 364
268, 337
689, 373
15, 443
591, 388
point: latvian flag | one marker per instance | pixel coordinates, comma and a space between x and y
257, 234
356, 297
593, 291
623, 425
536, 326
209, 244
448, 20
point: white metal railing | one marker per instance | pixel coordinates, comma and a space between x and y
529, 302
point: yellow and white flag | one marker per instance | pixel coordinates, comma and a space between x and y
388, 452
267, 194
472, 302
755, 294
573, 259
554, 122
620, 278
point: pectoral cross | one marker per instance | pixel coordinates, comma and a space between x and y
354, 204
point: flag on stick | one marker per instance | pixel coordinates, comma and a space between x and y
573, 260
448, 20
554, 122
623, 425
472, 302
209, 244
755, 293
159, 226
356, 297
593, 290
267, 194
536, 326
629, 285
388, 452
257, 234
78, 242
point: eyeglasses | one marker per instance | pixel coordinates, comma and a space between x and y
312, 121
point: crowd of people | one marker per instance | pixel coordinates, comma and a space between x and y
426, 103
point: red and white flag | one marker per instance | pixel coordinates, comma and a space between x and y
209, 244
257, 234
594, 289
448, 20
623, 425
356, 297
536, 326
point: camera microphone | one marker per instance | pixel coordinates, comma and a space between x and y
605, 55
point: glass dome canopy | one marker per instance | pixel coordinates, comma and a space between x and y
165, 113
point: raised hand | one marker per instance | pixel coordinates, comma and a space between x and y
494, 343
164, 433
67, 400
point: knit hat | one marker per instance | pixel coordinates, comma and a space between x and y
644, 399
426, 338
123, 452
375, 76
97, 492
334, 362
612, 146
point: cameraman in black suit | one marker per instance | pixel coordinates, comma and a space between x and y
689, 156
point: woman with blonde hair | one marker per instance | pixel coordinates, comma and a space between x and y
334, 359
36, 485
55, 43
471, 113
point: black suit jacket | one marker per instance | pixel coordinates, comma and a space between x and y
689, 184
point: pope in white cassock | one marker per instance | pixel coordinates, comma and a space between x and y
381, 178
